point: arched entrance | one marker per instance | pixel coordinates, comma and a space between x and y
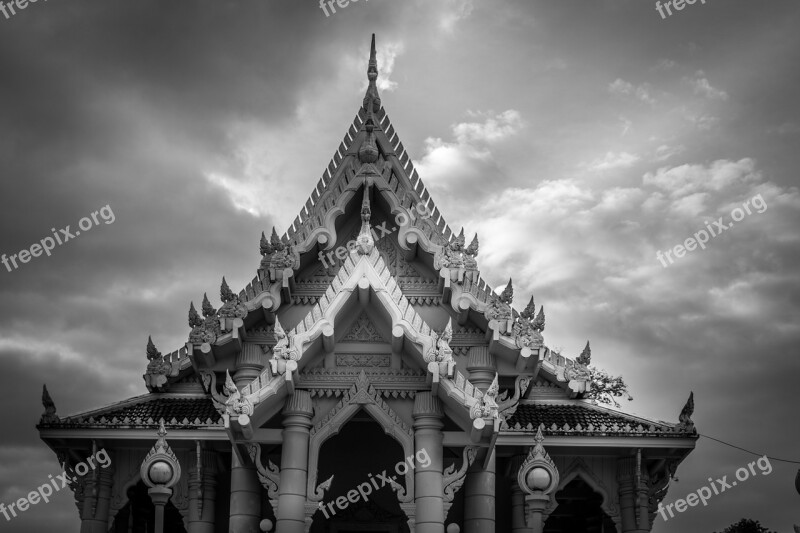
138, 515
579, 509
359, 454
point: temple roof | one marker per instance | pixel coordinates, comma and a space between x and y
369, 164
177, 410
580, 417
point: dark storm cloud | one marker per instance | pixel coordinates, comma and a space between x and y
576, 138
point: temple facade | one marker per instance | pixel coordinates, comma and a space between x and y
368, 379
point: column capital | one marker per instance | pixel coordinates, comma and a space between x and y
299, 404
479, 358
427, 405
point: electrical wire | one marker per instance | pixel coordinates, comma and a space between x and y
748, 451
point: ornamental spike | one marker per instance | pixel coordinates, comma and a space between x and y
530, 310
49, 415
585, 358
508, 293
225, 293
472, 249
208, 309
538, 323
194, 317
152, 352
264, 246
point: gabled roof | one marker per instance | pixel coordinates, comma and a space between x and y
580, 417
184, 411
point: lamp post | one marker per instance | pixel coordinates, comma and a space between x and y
160, 471
537, 477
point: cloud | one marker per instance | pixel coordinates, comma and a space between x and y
386, 55
454, 11
624, 88
665, 152
702, 86
687, 179
469, 158
613, 161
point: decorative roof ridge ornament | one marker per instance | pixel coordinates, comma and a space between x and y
458, 259
368, 153
365, 243
206, 329
526, 335
158, 370
232, 307
277, 256
685, 418
372, 101
49, 416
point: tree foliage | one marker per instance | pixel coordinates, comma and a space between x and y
606, 388
745, 525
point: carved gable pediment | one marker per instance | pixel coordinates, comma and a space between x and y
363, 330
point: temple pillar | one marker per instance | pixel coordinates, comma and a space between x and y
428, 436
245, 511
97, 500
203, 494
294, 463
628, 496
479, 488
479, 496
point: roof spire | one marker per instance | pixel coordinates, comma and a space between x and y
372, 102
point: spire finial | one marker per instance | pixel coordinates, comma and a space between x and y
372, 102
373, 60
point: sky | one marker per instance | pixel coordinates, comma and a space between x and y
579, 139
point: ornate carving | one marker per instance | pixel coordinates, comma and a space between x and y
206, 330
496, 309
525, 334
362, 360
508, 406
158, 370
232, 307
538, 458
441, 352
685, 418
236, 404
452, 479
161, 452
277, 255
363, 330
365, 242
284, 350
460, 260
269, 475
486, 406
322, 488
49, 416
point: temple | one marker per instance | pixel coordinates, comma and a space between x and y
368, 379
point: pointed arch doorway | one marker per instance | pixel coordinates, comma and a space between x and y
358, 453
579, 509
